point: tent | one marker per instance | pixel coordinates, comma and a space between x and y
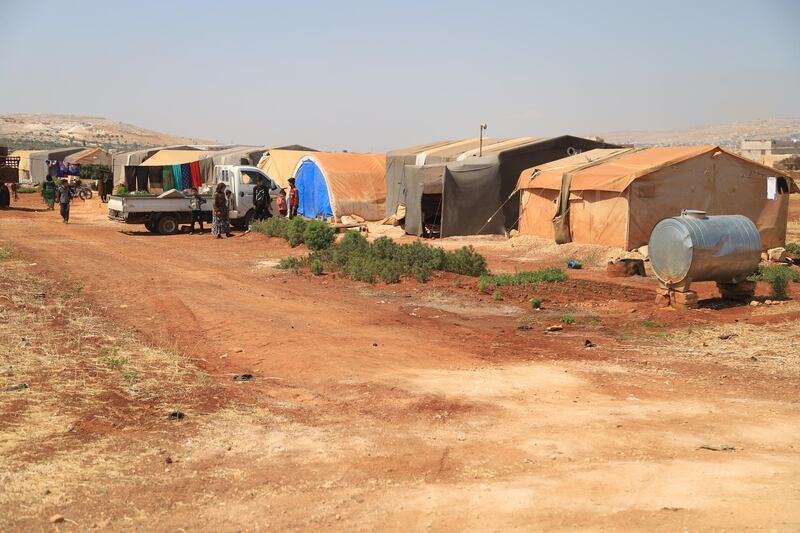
136, 157
280, 164
338, 184
466, 194
616, 197
90, 156
33, 163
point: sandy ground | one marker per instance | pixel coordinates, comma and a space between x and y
397, 407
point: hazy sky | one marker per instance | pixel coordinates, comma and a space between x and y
378, 75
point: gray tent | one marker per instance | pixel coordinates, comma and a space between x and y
470, 195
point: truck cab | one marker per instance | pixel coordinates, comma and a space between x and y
242, 180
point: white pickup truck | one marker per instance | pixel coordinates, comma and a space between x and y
164, 214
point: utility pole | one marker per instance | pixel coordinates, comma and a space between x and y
480, 147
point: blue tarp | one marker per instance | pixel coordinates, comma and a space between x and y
313, 191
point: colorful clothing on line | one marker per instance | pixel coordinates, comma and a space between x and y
166, 178
176, 177
194, 169
186, 176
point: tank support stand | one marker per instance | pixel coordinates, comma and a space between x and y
742, 291
678, 299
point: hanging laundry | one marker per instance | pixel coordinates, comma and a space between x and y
176, 176
142, 175
166, 178
186, 176
197, 181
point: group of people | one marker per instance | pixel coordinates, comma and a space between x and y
6, 195
222, 203
61, 193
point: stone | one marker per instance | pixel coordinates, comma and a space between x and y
57, 519
621, 268
555, 328
755, 303
777, 255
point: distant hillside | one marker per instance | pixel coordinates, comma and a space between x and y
726, 135
33, 130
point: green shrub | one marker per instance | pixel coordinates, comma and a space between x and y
465, 261
26, 190
419, 254
272, 227
318, 235
295, 230
316, 267
421, 273
5, 253
779, 277
384, 248
120, 190
352, 244
390, 272
536, 303
497, 296
793, 247
290, 263
362, 268
568, 319
547, 275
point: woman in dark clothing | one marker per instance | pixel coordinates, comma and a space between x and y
5, 196
49, 192
220, 220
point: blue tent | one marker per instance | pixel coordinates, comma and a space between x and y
315, 201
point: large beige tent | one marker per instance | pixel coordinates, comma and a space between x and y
280, 165
338, 184
33, 163
90, 156
617, 196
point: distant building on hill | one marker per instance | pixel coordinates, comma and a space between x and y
769, 151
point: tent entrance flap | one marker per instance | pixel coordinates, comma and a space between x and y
561, 218
315, 201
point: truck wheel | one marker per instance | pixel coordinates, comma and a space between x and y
150, 227
167, 225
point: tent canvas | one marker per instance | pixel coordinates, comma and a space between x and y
90, 156
617, 197
33, 163
280, 165
476, 191
338, 184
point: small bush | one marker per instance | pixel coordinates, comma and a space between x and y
290, 263
5, 253
361, 268
793, 247
547, 275
497, 296
120, 190
26, 190
536, 303
779, 277
390, 272
352, 244
649, 324
568, 319
316, 267
421, 273
295, 230
318, 235
271, 227
465, 261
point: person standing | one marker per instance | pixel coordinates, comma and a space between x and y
14, 192
5, 196
260, 200
64, 195
294, 199
196, 202
101, 189
220, 220
49, 192
280, 203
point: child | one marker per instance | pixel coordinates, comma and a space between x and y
294, 198
196, 202
229, 199
280, 201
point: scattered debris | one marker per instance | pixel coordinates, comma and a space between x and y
243, 377
57, 519
18, 386
555, 328
574, 265
625, 268
176, 415
168, 460
40, 296
726, 336
672, 509
375, 344
524, 327
755, 303
238, 350
718, 448
588, 344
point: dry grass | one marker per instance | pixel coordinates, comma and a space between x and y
87, 384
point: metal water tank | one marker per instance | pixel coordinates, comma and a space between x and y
696, 247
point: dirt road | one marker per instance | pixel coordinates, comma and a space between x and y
390, 407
